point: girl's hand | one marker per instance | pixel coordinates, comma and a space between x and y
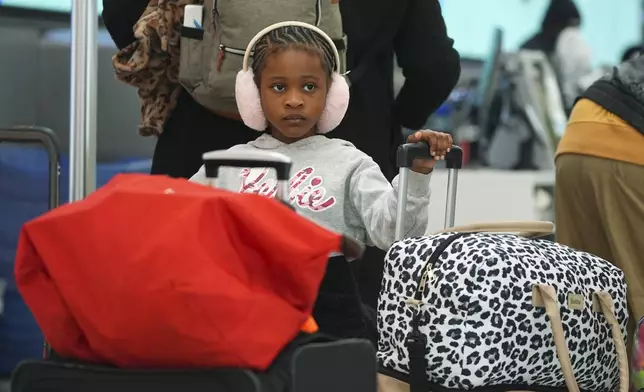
439, 145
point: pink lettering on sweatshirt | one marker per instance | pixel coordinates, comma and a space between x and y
306, 190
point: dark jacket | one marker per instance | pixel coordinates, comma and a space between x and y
425, 53
429, 62
622, 92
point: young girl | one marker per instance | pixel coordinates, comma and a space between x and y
333, 183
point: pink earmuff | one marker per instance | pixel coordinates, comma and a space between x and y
247, 94
248, 102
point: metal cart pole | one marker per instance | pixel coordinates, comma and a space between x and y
82, 133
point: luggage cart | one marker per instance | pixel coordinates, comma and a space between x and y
47, 139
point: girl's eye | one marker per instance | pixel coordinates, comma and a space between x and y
309, 87
278, 88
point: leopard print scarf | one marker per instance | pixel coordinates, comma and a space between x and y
151, 62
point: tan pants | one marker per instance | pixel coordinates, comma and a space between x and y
599, 209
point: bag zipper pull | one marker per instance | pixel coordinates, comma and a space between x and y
220, 57
413, 302
427, 275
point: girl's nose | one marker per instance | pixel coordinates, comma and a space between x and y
294, 99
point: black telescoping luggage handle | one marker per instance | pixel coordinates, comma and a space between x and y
214, 160
408, 152
49, 140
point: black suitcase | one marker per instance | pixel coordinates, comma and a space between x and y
314, 364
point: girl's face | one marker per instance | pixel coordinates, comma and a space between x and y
293, 89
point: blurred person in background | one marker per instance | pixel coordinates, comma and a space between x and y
632, 52
561, 40
599, 189
413, 30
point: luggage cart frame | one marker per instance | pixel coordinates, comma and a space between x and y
49, 140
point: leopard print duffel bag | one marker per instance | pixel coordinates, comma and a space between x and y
478, 309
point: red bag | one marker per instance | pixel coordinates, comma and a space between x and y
156, 272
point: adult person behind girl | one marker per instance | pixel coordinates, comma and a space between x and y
561, 40
599, 192
418, 37
294, 95
191, 129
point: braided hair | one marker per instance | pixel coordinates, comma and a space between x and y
292, 37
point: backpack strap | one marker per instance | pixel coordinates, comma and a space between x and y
389, 28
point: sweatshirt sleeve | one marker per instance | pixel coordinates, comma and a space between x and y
375, 199
120, 16
428, 60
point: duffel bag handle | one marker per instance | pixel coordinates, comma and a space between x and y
545, 296
608, 309
523, 228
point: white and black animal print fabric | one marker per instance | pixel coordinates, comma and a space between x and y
478, 317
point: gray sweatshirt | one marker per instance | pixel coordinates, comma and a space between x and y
335, 185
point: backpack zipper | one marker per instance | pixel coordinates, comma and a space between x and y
223, 49
318, 11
